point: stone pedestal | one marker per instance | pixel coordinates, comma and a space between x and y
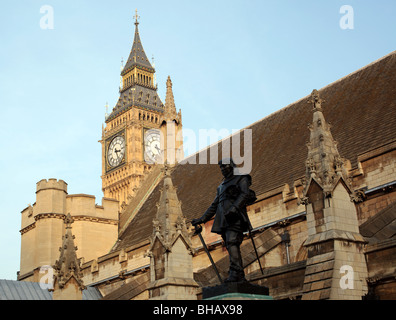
236, 291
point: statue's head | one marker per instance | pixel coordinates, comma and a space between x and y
227, 166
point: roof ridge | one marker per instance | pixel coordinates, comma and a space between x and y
325, 87
361, 69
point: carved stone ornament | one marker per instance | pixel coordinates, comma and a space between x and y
315, 100
68, 265
357, 196
302, 201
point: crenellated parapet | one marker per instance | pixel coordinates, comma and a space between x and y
53, 184
42, 225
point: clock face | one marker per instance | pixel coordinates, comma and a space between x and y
116, 151
152, 146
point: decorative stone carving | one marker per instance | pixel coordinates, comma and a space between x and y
67, 268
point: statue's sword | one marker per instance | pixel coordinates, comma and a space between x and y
246, 219
198, 230
255, 250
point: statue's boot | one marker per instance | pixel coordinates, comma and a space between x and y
236, 273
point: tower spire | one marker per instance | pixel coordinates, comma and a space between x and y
137, 56
138, 74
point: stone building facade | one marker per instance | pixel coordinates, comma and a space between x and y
324, 221
42, 227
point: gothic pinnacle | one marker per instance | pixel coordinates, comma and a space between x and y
68, 265
170, 108
323, 163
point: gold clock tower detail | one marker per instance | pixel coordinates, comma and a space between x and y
140, 131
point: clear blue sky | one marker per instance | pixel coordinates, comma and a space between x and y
231, 63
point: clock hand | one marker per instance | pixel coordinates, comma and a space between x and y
118, 155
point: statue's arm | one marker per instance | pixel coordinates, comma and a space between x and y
209, 213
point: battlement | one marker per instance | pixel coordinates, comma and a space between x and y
84, 205
54, 184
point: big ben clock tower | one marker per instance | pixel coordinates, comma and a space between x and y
133, 138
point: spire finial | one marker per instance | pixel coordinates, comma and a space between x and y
136, 16
169, 82
316, 101
68, 221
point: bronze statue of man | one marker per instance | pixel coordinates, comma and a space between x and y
231, 220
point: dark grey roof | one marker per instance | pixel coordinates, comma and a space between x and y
137, 56
140, 96
25, 290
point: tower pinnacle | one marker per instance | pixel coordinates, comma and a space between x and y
170, 108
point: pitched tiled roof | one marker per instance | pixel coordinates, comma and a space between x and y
361, 108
